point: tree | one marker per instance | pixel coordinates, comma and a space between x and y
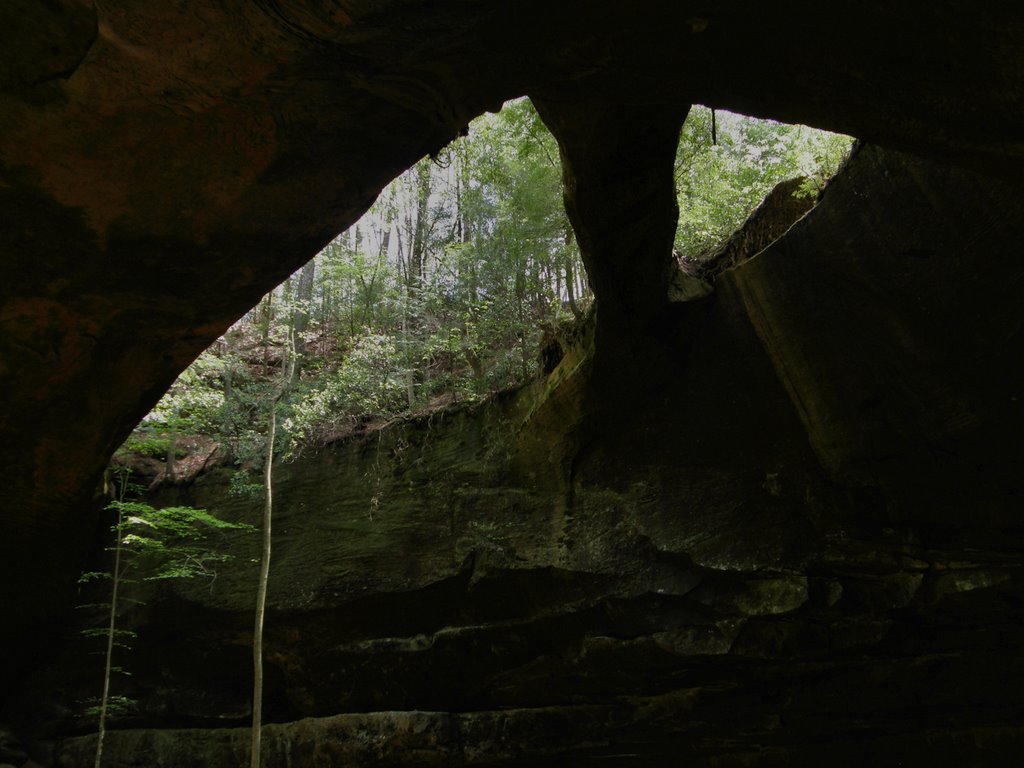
261, 596
168, 543
720, 184
439, 293
300, 315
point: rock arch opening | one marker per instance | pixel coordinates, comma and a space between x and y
133, 239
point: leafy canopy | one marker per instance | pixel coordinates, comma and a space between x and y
441, 292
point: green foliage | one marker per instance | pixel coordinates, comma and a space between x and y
117, 706
89, 576
240, 423
190, 405
122, 637
152, 444
240, 484
173, 541
437, 295
156, 544
151, 544
366, 383
719, 185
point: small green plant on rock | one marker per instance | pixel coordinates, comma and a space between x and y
240, 485
149, 545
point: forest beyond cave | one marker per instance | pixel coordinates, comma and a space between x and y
447, 290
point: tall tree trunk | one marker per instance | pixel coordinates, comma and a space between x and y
300, 315
326, 302
108, 667
227, 376
267, 315
410, 383
261, 596
465, 238
172, 452
458, 204
570, 286
417, 251
558, 288
520, 294
352, 295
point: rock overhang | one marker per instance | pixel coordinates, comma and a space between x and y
163, 165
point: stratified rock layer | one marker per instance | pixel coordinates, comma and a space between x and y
794, 540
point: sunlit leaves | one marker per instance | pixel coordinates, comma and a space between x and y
720, 184
437, 295
173, 541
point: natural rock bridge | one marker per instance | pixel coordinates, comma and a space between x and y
826, 453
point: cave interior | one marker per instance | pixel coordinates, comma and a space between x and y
779, 525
